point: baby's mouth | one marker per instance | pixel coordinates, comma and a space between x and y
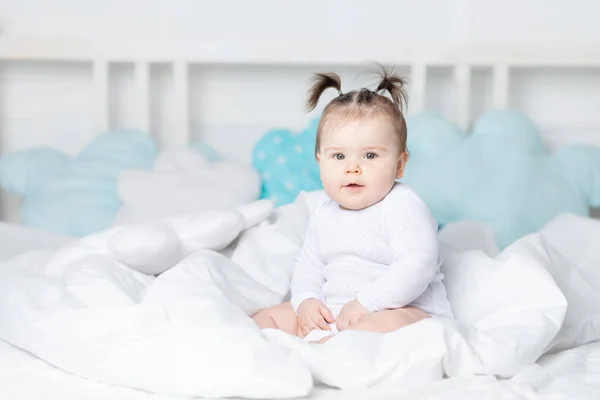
353, 185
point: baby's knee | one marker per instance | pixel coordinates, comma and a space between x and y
281, 317
274, 310
390, 320
406, 316
264, 319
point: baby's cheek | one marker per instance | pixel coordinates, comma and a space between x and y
328, 180
384, 182
383, 176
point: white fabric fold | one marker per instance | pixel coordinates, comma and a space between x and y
94, 309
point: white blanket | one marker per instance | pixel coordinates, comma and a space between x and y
86, 310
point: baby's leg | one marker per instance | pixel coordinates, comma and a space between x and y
281, 317
389, 320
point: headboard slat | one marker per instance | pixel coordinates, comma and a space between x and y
501, 86
418, 87
101, 101
180, 136
142, 88
462, 79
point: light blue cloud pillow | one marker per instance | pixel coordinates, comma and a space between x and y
74, 196
500, 174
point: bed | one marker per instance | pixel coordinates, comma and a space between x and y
17, 239
568, 375
564, 373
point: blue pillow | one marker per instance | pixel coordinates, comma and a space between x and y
78, 196
500, 174
16, 167
286, 162
74, 196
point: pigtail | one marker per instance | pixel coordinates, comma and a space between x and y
395, 85
322, 82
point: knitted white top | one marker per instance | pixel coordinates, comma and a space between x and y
386, 256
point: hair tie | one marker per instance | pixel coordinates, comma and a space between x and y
340, 92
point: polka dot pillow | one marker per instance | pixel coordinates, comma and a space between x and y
286, 162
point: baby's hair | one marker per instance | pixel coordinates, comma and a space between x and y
363, 103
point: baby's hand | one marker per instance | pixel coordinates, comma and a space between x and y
350, 314
313, 314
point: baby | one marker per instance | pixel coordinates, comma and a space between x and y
370, 258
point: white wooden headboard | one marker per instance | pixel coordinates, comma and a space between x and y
418, 57
419, 60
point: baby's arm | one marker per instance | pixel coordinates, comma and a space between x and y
412, 232
307, 277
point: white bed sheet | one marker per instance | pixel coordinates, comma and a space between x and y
571, 374
16, 239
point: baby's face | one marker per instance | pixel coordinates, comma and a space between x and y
359, 161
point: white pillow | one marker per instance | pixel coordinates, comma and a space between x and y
154, 247
183, 181
575, 267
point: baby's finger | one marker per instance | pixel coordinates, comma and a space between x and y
345, 324
326, 313
339, 322
305, 330
301, 332
323, 324
353, 320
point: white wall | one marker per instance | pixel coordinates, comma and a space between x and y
52, 104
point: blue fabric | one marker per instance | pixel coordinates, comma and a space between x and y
16, 167
286, 162
78, 196
500, 174
74, 196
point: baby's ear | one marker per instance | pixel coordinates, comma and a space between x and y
402, 160
318, 157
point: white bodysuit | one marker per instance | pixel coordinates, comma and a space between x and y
386, 256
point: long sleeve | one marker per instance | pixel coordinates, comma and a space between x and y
412, 233
307, 277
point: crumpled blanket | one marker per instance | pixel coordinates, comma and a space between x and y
96, 309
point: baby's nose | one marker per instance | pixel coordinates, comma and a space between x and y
353, 168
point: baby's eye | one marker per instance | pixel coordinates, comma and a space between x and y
370, 156
338, 156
